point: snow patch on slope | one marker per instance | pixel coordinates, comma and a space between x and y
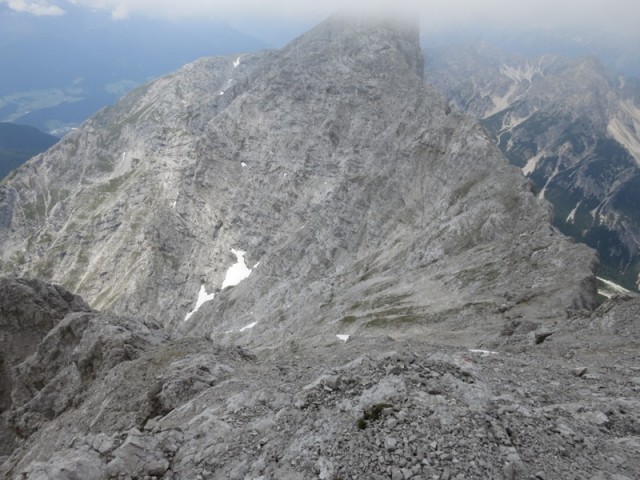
484, 353
248, 327
236, 272
203, 297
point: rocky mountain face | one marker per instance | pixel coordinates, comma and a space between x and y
303, 265
106, 397
572, 127
360, 200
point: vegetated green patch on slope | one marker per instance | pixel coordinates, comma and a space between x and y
18, 143
627, 200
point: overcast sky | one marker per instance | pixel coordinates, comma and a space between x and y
619, 18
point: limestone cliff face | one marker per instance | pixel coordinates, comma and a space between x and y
362, 203
573, 128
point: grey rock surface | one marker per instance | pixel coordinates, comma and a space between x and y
190, 408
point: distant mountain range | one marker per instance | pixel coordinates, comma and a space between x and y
18, 143
572, 126
57, 71
615, 53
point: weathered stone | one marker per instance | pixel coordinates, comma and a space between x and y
541, 335
396, 474
393, 370
332, 381
594, 418
509, 471
390, 443
579, 371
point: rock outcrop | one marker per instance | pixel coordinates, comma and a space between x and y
29, 309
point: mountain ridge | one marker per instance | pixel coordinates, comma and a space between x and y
103, 396
83, 61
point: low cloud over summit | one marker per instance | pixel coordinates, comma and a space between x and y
615, 17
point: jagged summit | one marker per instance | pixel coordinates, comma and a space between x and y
379, 43
326, 170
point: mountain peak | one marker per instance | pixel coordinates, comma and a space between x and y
379, 41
